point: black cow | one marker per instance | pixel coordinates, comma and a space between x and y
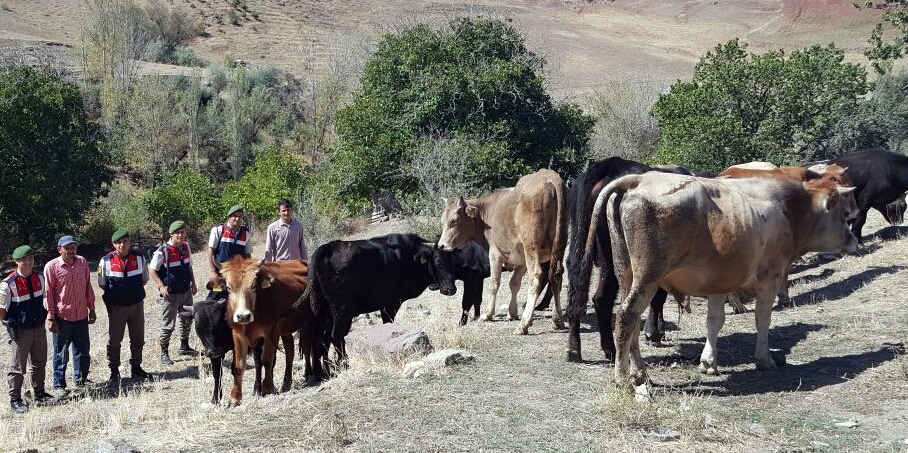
472, 268
214, 331
348, 278
879, 176
584, 190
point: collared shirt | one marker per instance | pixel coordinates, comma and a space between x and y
285, 242
69, 295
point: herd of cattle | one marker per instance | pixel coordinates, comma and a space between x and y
650, 230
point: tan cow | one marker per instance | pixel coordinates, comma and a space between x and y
833, 173
711, 237
522, 228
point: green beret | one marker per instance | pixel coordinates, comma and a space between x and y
234, 208
176, 225
21, 252
119, 234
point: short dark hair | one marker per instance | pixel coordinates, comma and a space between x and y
284, 202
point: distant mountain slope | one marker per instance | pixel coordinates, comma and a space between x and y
586, 44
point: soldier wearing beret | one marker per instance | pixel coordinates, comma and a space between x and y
122, 275
227, 240
23, 314
171, 271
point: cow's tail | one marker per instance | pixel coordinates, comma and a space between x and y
561, 231
616, 187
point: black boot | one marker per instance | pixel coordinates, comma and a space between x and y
138, 373
185, 327
18, 406
165, 356
114, 380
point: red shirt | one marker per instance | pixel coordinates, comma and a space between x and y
68, 294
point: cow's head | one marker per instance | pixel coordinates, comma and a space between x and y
243, 278
441, 265
833, 205
895, 211
459, 223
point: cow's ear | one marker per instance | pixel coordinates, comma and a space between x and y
472, 211
422, 257
461, 202
264, 279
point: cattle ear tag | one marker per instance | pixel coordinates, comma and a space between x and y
266, 283
422, 259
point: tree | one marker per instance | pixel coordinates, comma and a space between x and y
274, 175
889, 38
475, 81
53, 166
741, 107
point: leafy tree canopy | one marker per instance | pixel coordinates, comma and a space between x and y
274, 175
889, 38
474, 81
53, 169
742, 107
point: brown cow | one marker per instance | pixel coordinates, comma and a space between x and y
522, 228
260, 308
711, 237
833, 173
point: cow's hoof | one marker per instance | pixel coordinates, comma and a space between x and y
514, 317
488, 317
777, 356
709, 369
559, 324
522, 330
285, 388
574, 356
766, 365
233, 403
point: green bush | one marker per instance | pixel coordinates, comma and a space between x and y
475, 81
273, 175
187, 195
186, 56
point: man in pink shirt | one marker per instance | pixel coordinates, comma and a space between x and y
70, 304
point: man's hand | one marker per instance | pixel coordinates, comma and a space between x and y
51, 326
162, 290
192, 288
92, 316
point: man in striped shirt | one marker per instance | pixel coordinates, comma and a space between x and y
285, 239
70, 304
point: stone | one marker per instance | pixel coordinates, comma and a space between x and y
115, 446
390, 339
437, 360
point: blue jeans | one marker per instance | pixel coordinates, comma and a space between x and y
76, 334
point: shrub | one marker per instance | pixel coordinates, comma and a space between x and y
273, 175
186, 56
187, 195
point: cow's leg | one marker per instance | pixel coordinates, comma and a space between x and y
526, 320
514, 285
604, 303
715, 319
288, 362
216, 373
547, 293
269, 357
627, 328
257, 365
654, 330
472, 298
783, 299
494, 281
240, 351
858, 224
554, 284
763, 315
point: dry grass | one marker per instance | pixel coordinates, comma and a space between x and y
845, 344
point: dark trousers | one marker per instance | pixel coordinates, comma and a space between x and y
29, 349
73, 333
122, 317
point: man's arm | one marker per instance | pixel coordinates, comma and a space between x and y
102, 275
269, 244
247, 253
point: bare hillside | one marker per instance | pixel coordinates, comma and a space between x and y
587, 43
